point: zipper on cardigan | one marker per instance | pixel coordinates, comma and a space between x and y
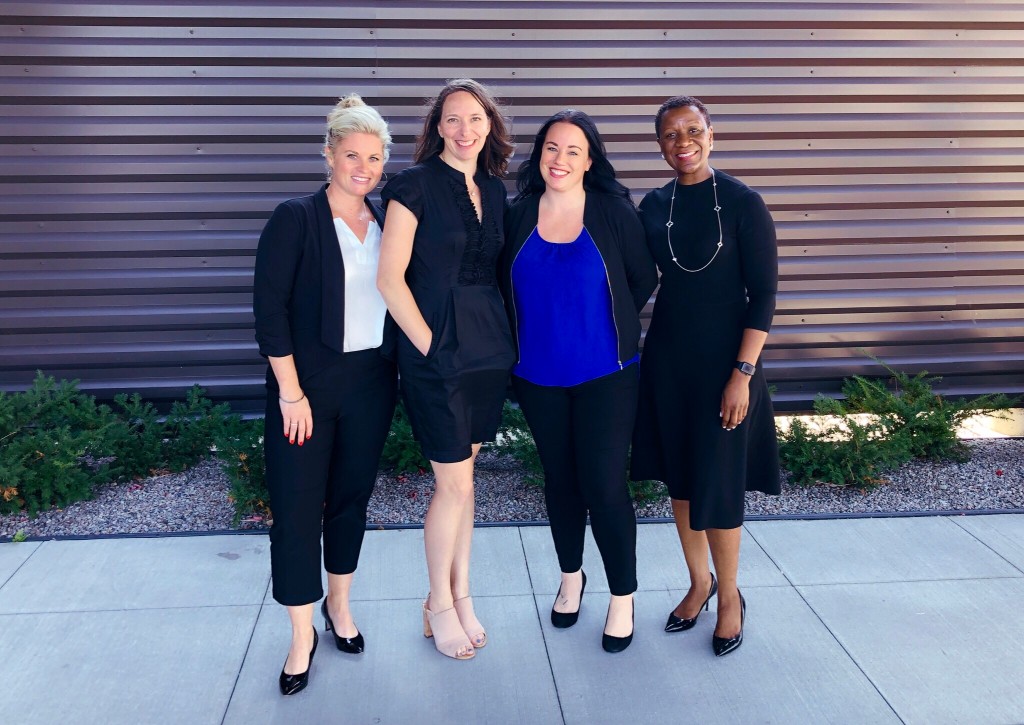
608, 279
515, 311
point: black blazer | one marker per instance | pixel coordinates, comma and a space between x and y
619, 236
299, 285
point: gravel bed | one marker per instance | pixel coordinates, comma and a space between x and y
197, 500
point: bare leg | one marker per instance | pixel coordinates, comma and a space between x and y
302, 639
695, 551
569, 593
453, 493
464, 540
725, 551
620, 616
338, 587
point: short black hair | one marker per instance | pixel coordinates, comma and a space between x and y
680, 102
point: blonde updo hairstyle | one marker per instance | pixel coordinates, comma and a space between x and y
352, 115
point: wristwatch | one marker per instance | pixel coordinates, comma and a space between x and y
745, 367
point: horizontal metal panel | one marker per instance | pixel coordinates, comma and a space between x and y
144, 144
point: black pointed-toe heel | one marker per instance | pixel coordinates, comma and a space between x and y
725, 645
678, 624
290, 684
564, 620
617, 644
352, 645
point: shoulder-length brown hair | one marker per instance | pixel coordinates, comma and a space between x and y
498, 146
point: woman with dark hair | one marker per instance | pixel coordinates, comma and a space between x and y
577, 274
320, 323
438, 275
705, 425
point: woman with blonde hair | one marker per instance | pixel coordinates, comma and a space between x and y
320, 324
438, 274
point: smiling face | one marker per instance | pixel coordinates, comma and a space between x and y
463, 127
686, 140
565, 157
356, 162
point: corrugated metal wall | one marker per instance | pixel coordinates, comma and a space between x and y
143, 145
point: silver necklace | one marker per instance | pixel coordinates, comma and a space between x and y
668, 225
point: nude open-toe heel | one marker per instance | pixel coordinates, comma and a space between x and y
448, 634
467, 617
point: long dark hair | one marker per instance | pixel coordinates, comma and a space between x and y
498, 145
601, 176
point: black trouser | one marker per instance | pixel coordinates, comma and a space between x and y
325, 484
582, 435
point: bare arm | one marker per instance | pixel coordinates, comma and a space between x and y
736, 396
294, 403
395, 253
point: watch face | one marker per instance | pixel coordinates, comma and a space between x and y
745, 368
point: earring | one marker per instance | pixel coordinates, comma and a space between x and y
383, 180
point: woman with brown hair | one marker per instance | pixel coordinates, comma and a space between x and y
438, 275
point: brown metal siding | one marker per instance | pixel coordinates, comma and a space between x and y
144, 144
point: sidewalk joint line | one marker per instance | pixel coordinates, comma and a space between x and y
18, 568
987, 546
245, 655
828, 629
540, 624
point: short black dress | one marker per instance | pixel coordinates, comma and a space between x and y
455, 393
691, 347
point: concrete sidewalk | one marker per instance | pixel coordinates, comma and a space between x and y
913, 620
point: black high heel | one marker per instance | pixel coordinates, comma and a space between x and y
678, 624
617, 644
725, 645
564, 620
352, 645
290, 684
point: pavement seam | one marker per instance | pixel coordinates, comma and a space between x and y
540, 624
245, 655
818, 516
133, 609
828, 629
18, 568
987, 546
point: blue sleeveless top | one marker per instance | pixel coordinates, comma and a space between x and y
563, 306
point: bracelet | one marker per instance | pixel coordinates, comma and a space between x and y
290, 402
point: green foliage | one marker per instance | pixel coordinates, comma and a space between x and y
240, 450
843, 451
134, 439
192, 428
402, 453
515, 439
19, 536
647, 490
875, 429
47, 435
913, 410
57, 444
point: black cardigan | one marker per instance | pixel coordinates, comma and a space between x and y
616, 230
299, 285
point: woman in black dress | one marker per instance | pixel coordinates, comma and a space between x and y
705, 424
577, 274
438, 267
320, 323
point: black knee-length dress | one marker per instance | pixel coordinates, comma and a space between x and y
691, 348
454, 394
